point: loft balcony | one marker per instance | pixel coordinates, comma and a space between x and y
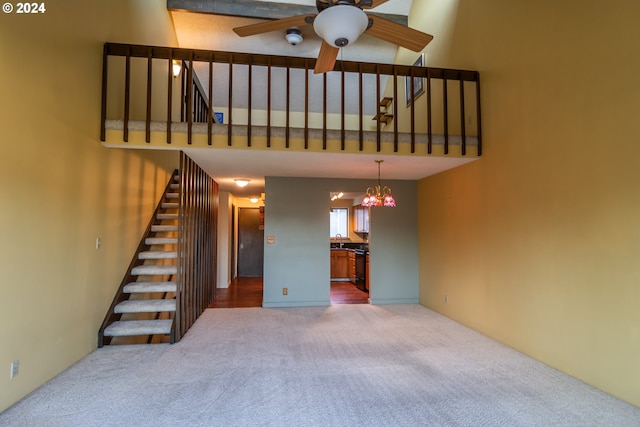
175, 98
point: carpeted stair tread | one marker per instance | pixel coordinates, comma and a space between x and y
175, 186
170, 205
145, 306
144, 287
158, 255
167, 216
161, 240
138, 327
154, 269
173, 195
159, 228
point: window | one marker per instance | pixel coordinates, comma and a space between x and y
338, 222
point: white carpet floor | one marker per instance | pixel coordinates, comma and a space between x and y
344, 365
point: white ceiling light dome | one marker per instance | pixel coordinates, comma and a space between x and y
340, 25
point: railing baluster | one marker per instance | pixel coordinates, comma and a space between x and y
445, 113
269, 104
324, 111
147, 125
210, 104
463, 130
360, 109
429, 114
478, 115
378, 122
413, 110
288, 107
127, 94
395, 110
249, 99
342, 107
103, 112
230, 86
189, 100
306, 104
169, 93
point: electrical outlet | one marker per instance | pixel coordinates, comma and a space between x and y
98, 242
15, 368
446, 299
285, 291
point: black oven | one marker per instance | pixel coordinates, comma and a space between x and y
361, 269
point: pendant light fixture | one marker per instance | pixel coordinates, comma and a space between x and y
379, 195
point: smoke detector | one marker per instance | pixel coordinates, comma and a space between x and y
294, 36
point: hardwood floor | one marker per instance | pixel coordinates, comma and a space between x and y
247, 292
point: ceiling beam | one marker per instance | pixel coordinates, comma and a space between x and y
256, 9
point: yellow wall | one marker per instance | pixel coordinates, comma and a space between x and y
60, 188
537, 243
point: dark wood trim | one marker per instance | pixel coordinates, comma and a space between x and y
258, 9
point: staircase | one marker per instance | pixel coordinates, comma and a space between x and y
144, 308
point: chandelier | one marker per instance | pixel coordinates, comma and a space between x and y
378, 195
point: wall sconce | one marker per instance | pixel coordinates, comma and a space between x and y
177, 67
241, 182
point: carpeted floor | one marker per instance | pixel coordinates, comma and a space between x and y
343, 365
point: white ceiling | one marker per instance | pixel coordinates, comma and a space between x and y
214, 32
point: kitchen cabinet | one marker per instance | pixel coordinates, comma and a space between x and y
339, 264
351, 266
361, 215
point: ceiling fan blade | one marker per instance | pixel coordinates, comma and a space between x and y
374, 3
278, 24
326, 58
398, 34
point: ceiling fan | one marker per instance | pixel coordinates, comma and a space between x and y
341, 22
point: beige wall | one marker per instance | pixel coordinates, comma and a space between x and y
60, 188
537, 243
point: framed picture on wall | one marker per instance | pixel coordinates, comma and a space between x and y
418, 83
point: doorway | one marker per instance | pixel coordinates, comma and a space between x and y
250, 242
348, 246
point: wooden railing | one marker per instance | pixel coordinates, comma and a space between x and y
441, 112
197, 231
193, 98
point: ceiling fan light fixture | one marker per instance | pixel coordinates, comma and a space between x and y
340, 25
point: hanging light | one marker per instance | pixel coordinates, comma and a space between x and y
378, 195
341, 24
